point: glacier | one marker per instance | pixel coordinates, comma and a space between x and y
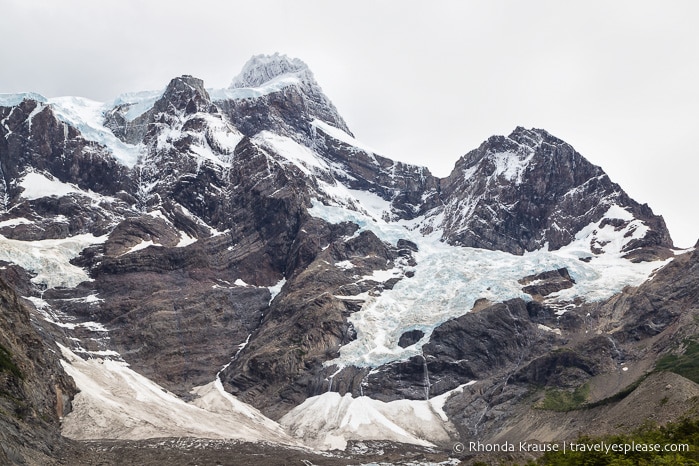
448, 280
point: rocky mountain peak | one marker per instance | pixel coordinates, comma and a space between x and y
521, 192
279, 94
511, 157
185, 93
532, 137
132, 113
262, 69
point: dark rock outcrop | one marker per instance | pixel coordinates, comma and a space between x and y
35, 392
545, 283
410, 338
33, 138
520, 192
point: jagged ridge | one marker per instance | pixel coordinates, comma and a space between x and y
253, 228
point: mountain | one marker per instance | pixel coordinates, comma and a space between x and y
529, 190
234, 264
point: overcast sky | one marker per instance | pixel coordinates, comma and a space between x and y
422, 82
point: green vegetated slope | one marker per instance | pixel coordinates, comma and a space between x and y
645, 446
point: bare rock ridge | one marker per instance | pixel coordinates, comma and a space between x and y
186, 94
530, 189
242, 235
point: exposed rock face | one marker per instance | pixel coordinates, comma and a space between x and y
184, 94
35, 392
545, 283
306, 324
410, 338
666, 305
520, 192
33, 138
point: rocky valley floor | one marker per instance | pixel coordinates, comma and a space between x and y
201, 452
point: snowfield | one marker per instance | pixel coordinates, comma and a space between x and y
88, 116
50, 259
329, 421
116, 402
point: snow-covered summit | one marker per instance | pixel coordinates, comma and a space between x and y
10, 100
261, 69
267, 78
266, 74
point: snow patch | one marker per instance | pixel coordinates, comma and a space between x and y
367, 204
329, 421
38, 185
142, 245
345, 265
512, 165
383, 275
88, 117
341, 136
616, 211
116, 402
276, 85
89, 299
301, 156
50, 259
276, 289
11, 100
608, 239
546, 328
59, 318
185, 240
14, 222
